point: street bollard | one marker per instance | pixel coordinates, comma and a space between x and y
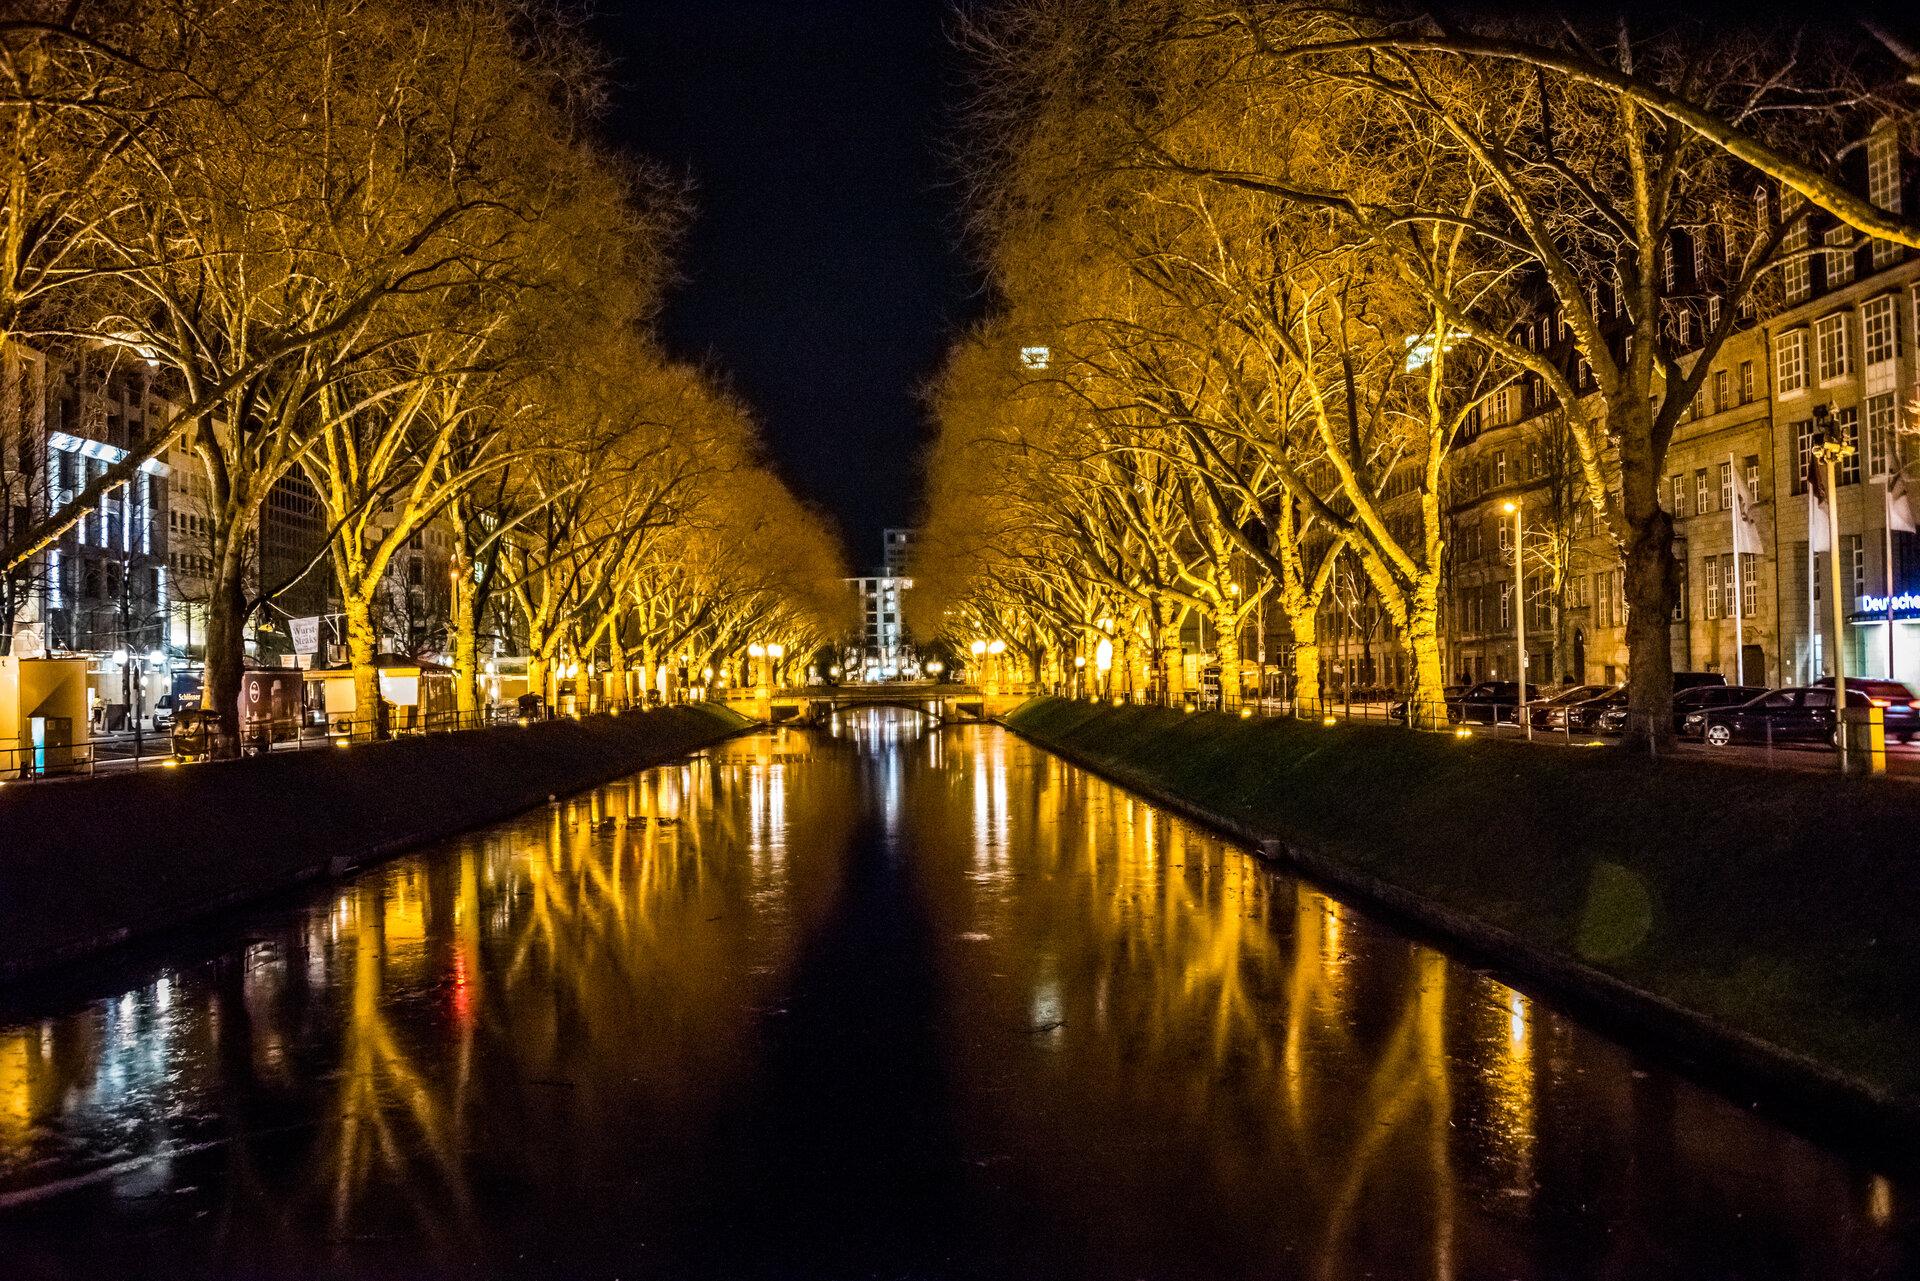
1865, 731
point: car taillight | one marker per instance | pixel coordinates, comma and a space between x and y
1914, 706
1879, 702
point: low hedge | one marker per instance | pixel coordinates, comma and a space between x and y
1777, 907
87, 863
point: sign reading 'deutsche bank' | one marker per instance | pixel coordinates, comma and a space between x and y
306, 634
1905, 606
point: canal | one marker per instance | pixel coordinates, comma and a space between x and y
884, 1001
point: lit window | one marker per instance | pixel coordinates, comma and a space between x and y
1710, 597
1746, 381
1679, 484
1839, 255
1880, 421
1726, 486
1790, 362
1700, 504
1796, 273
1876, 323
1883, 183
1719, 390
1833, 356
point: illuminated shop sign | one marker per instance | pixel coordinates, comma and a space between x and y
1905, 606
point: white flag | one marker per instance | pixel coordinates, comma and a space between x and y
1746, 533
1899, 507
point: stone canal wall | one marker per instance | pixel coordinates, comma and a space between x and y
89, 863
1763, 924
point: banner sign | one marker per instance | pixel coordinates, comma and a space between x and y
306, 634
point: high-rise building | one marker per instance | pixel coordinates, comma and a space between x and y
897, 551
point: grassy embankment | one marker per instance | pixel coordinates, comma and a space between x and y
1764, 917
88, 863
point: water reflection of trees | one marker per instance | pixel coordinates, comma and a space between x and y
506, 994
1347, 1087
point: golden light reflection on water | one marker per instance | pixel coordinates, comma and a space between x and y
1165, 1052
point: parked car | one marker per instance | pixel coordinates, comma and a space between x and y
1687, 701
1488, 703
1398, 711
163, 714
1551, 713
1803, 714
1696, 680
1587, 717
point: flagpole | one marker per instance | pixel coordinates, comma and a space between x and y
1734, 482
1886, 493
1813, 608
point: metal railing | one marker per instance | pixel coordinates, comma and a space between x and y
157, 749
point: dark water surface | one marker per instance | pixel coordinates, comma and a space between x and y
883, 1003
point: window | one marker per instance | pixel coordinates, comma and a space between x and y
1506, 606
1713, 312
1680, 596
1506, 537
1700, 503
1619, 598
1802, 454
1684, 322
1853, 563
1883, 183
1499, 467
1749, 583
1746, 381
1796, 272
1877, 326
1728, 584
1679, 503
1880, 434
1719, 390
1839, 255
1710, 597
1751, 465
1790, 362
1833, 358
1848, 421
1726, 486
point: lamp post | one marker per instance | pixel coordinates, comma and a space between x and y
1079, 673
1519, 622
1830, 447
978, 649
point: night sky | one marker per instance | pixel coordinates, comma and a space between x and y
822, 273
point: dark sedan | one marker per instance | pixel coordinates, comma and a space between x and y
1685, 703
1551, 713
1488, 703
1803, 714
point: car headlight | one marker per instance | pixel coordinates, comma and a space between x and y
1696, 717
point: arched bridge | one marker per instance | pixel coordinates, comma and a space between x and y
941, 702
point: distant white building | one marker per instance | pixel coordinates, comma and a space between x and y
897, 551
880, 652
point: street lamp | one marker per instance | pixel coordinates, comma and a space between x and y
1519, 621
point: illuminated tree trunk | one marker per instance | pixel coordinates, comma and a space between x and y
464, 626
1425, 705
620, 694
363, 644
226, 650
1226, 624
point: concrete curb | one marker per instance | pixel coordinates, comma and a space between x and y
1808, 1094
